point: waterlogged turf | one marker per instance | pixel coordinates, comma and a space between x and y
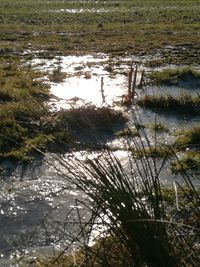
116, 27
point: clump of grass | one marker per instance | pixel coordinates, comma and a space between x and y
167, 103
127, 133
153, 152
11, 134
190, 161
91, 118
4, 95
57, 76
189, 137
154, 63
158, 127
108, 68
173, 76
19, 83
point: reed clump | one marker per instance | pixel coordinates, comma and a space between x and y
134, 204
158, 127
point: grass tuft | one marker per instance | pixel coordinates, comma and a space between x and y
174, 76
185, 103
189, 137
190, 161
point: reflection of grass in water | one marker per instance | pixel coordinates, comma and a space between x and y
173, 76
185, 103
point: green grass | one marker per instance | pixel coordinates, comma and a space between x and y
190, 161
189, 137
27, 124
184, 103
158, 127
127, 26
160, 151
174, 76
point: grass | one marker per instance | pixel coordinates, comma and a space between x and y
190, 161
184, 103
26, 132
140, 222
160, 151
158, 127
126, 27
26, 123
101, 119
174, 76
189, 137
57, 76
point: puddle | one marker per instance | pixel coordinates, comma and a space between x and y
84, 75
38, 204
83, 10
84, 79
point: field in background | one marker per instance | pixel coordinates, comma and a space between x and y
117, 27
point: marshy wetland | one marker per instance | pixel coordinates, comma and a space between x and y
68, 120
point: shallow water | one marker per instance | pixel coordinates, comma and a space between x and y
38, 203
83, 81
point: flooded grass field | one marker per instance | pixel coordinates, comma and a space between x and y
65, 78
